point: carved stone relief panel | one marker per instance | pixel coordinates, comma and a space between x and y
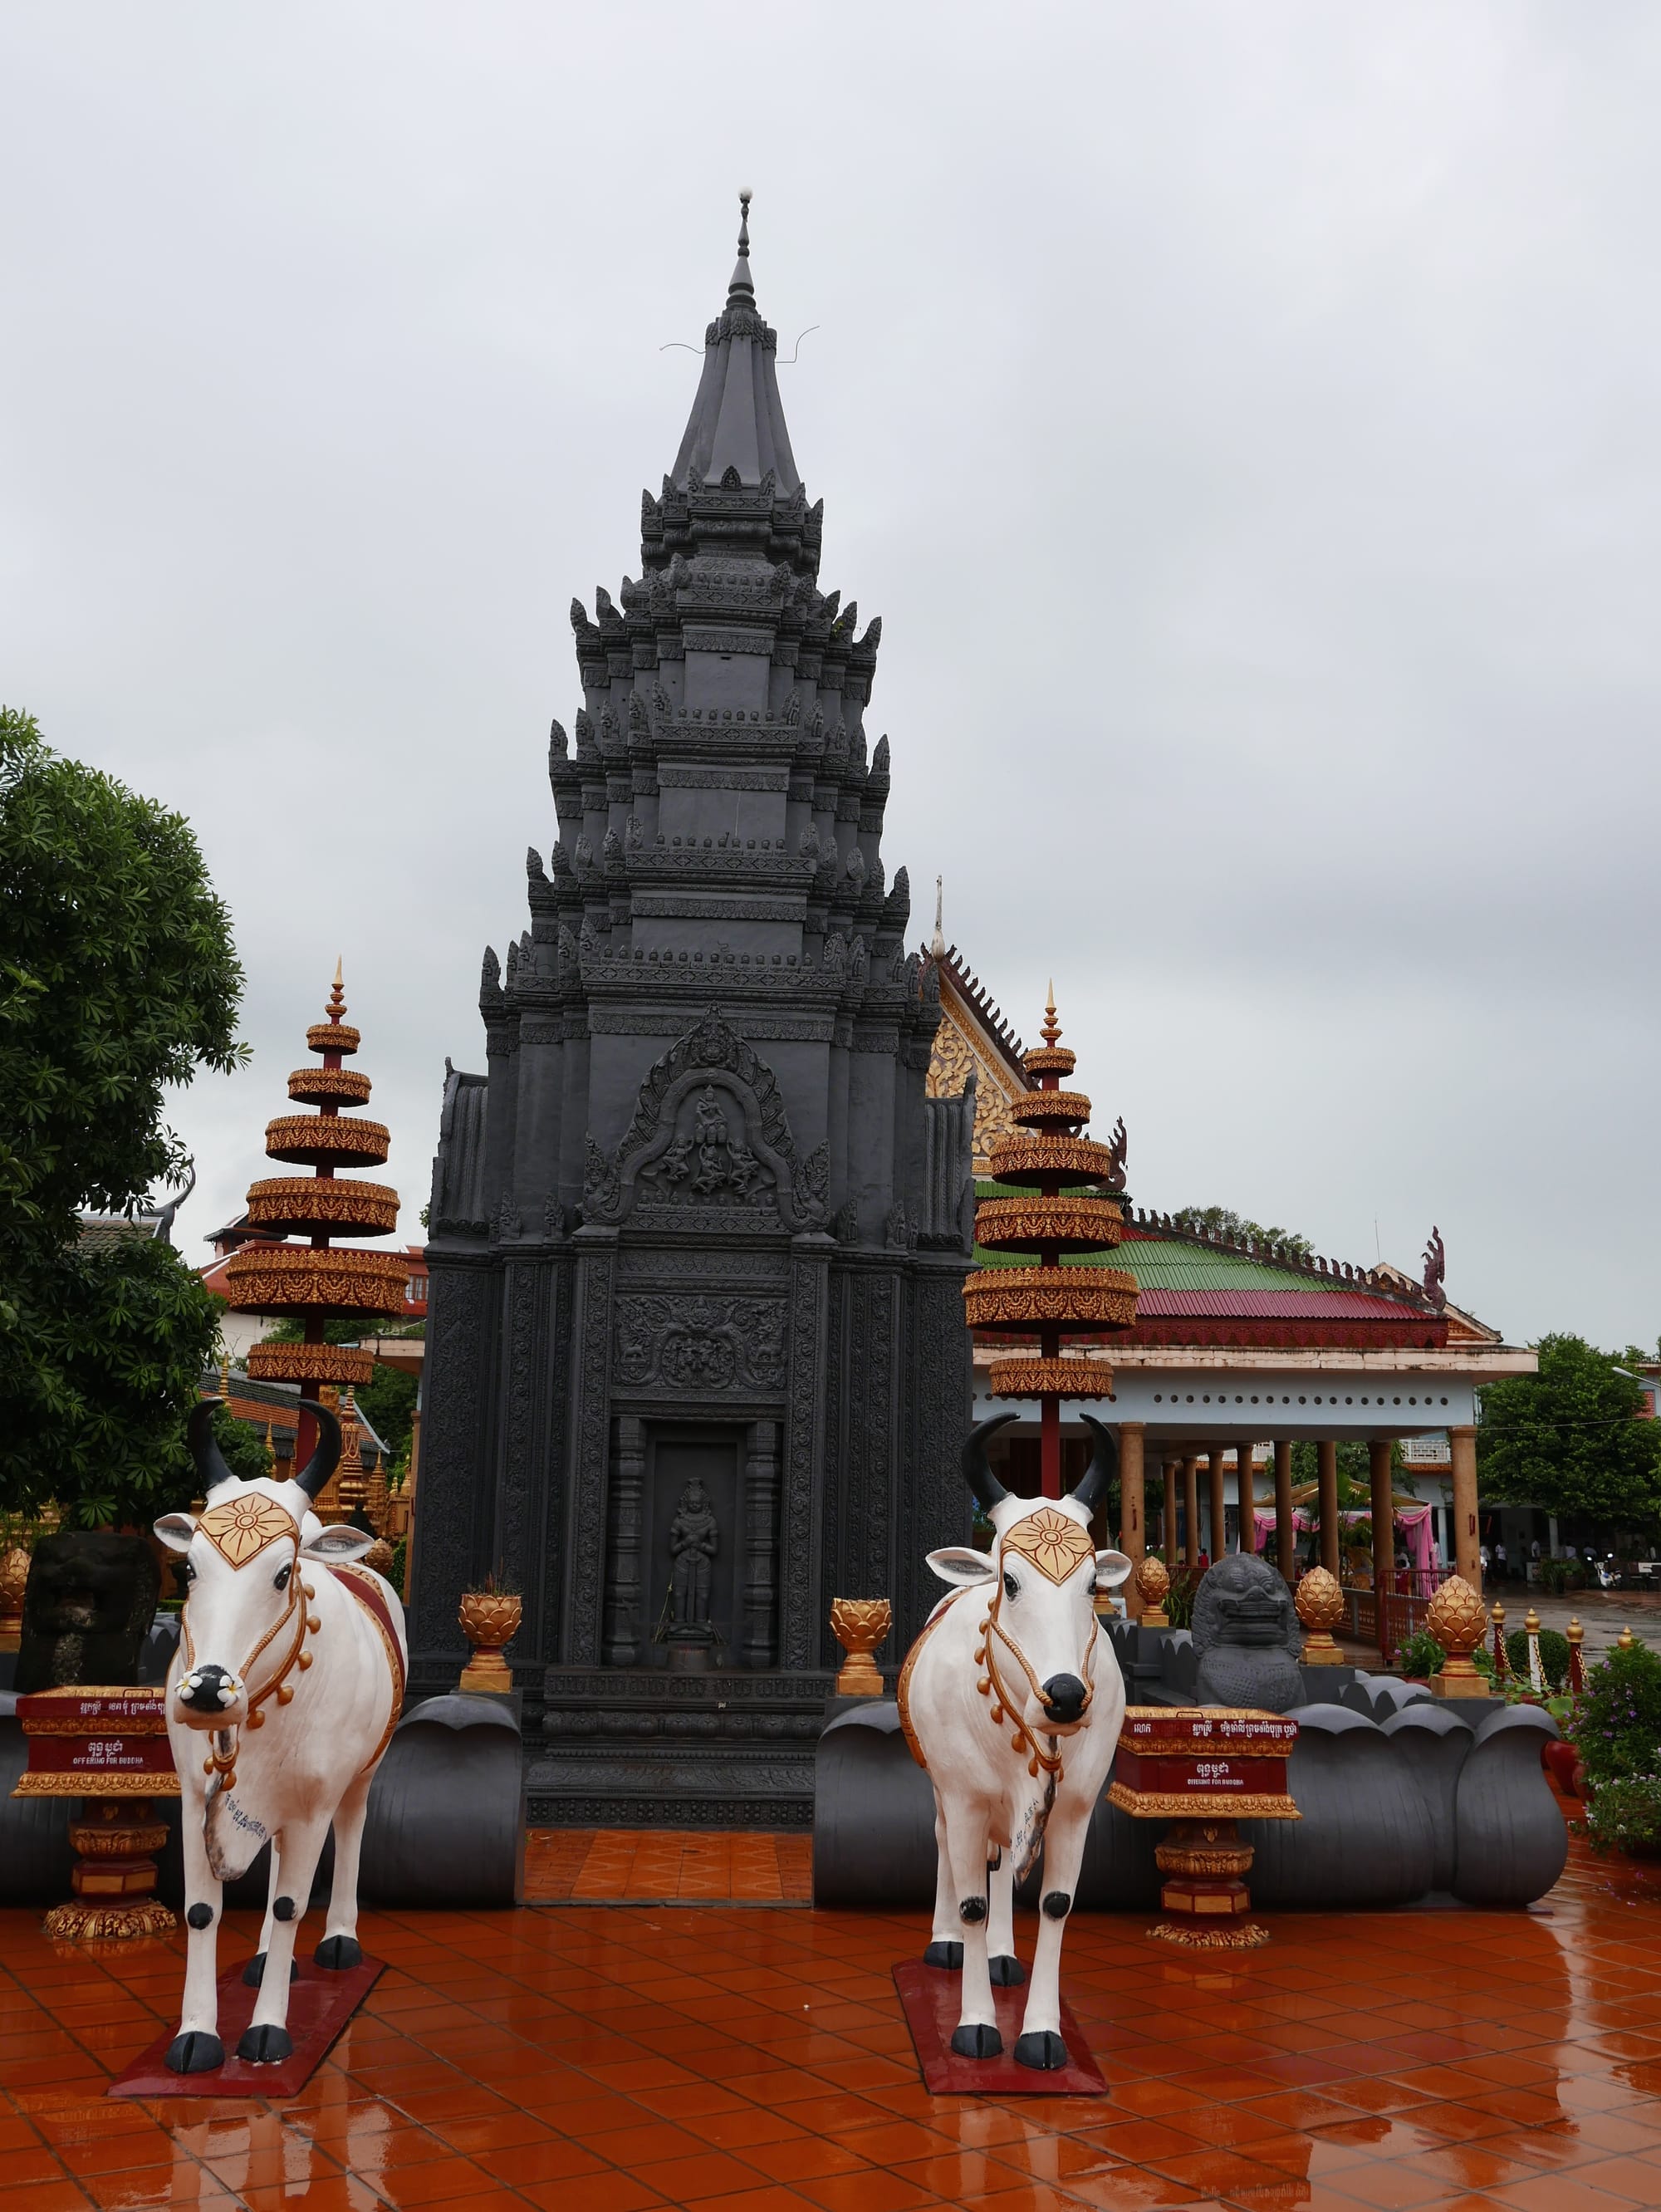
700, 1345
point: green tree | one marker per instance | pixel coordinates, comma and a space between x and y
241, 1445
1222, 1222
118, 977
1569, 1438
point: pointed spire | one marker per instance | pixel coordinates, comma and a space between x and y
938, 946
741, 289
737, 421
1052, 1029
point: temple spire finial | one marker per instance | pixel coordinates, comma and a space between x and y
1052, 1029
336, 1005
736, 431
938, 946
741, 282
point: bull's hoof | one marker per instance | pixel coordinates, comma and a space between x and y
195, 2052
975, 2039
950, 1955
1007, 1973
268, 2044
1041, 2050
254, 1972
338, 1953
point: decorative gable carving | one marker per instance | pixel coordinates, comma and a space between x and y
710, 1146
958, 1051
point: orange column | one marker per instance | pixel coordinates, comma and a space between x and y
1285, 1533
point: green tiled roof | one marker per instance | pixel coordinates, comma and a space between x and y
1170, 1263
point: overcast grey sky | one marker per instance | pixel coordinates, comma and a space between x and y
1245, 420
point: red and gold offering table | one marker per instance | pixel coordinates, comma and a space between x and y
109, 1747
1204, 1768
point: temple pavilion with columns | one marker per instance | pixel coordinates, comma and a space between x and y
1236, 1346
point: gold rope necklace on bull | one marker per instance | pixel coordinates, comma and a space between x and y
990, 1684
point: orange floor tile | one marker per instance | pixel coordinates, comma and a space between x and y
601, 2058
630, 1866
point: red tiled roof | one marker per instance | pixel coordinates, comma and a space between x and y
1289, 1304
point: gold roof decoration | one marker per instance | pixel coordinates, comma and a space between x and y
242, 1527
1052, 1541
310, 1282
1044, 1152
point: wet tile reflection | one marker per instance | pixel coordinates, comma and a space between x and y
611, 2057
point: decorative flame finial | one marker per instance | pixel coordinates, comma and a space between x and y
336, 1005
1052, 1029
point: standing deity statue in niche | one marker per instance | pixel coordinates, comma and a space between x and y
693, 1535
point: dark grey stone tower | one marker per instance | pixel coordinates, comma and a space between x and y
697, 1361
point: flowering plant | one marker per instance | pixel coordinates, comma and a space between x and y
1626, 1815
1618, 1725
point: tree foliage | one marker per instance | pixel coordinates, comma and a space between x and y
1221, 1221
1569, 1438
118, 977
100, 1364
241, 1446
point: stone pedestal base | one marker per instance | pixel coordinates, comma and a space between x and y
1207, 1901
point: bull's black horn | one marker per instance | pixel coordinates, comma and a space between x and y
976, 1472
210, 1467
1104, 1466
326, 1456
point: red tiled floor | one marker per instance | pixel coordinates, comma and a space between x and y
594, 2058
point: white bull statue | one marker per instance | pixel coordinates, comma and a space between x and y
1013, 1702
290, 1679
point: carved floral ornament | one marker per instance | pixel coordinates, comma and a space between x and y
700, 1343
710, 1130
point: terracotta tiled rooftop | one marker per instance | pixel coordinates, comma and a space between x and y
596, 2058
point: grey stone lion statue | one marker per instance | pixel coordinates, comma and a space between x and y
1247, 1636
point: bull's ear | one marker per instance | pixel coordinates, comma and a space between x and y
175, 1530
962, 1565
335, 1546
1112, 1569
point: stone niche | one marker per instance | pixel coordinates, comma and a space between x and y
672, 1478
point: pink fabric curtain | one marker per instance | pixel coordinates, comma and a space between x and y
1413, 1521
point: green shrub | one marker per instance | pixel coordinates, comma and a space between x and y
1619, 1726
1626, 1815
1555, 1574
394, 1573
1554, 1656
1179, 1598
1421, 1654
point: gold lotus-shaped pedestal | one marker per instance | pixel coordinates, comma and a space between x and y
859, 1625
1456, 1618
1320, 1602
1153, 1586
489, 1621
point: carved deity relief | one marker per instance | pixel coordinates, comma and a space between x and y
709, 1133
695, 1536
707, 1158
